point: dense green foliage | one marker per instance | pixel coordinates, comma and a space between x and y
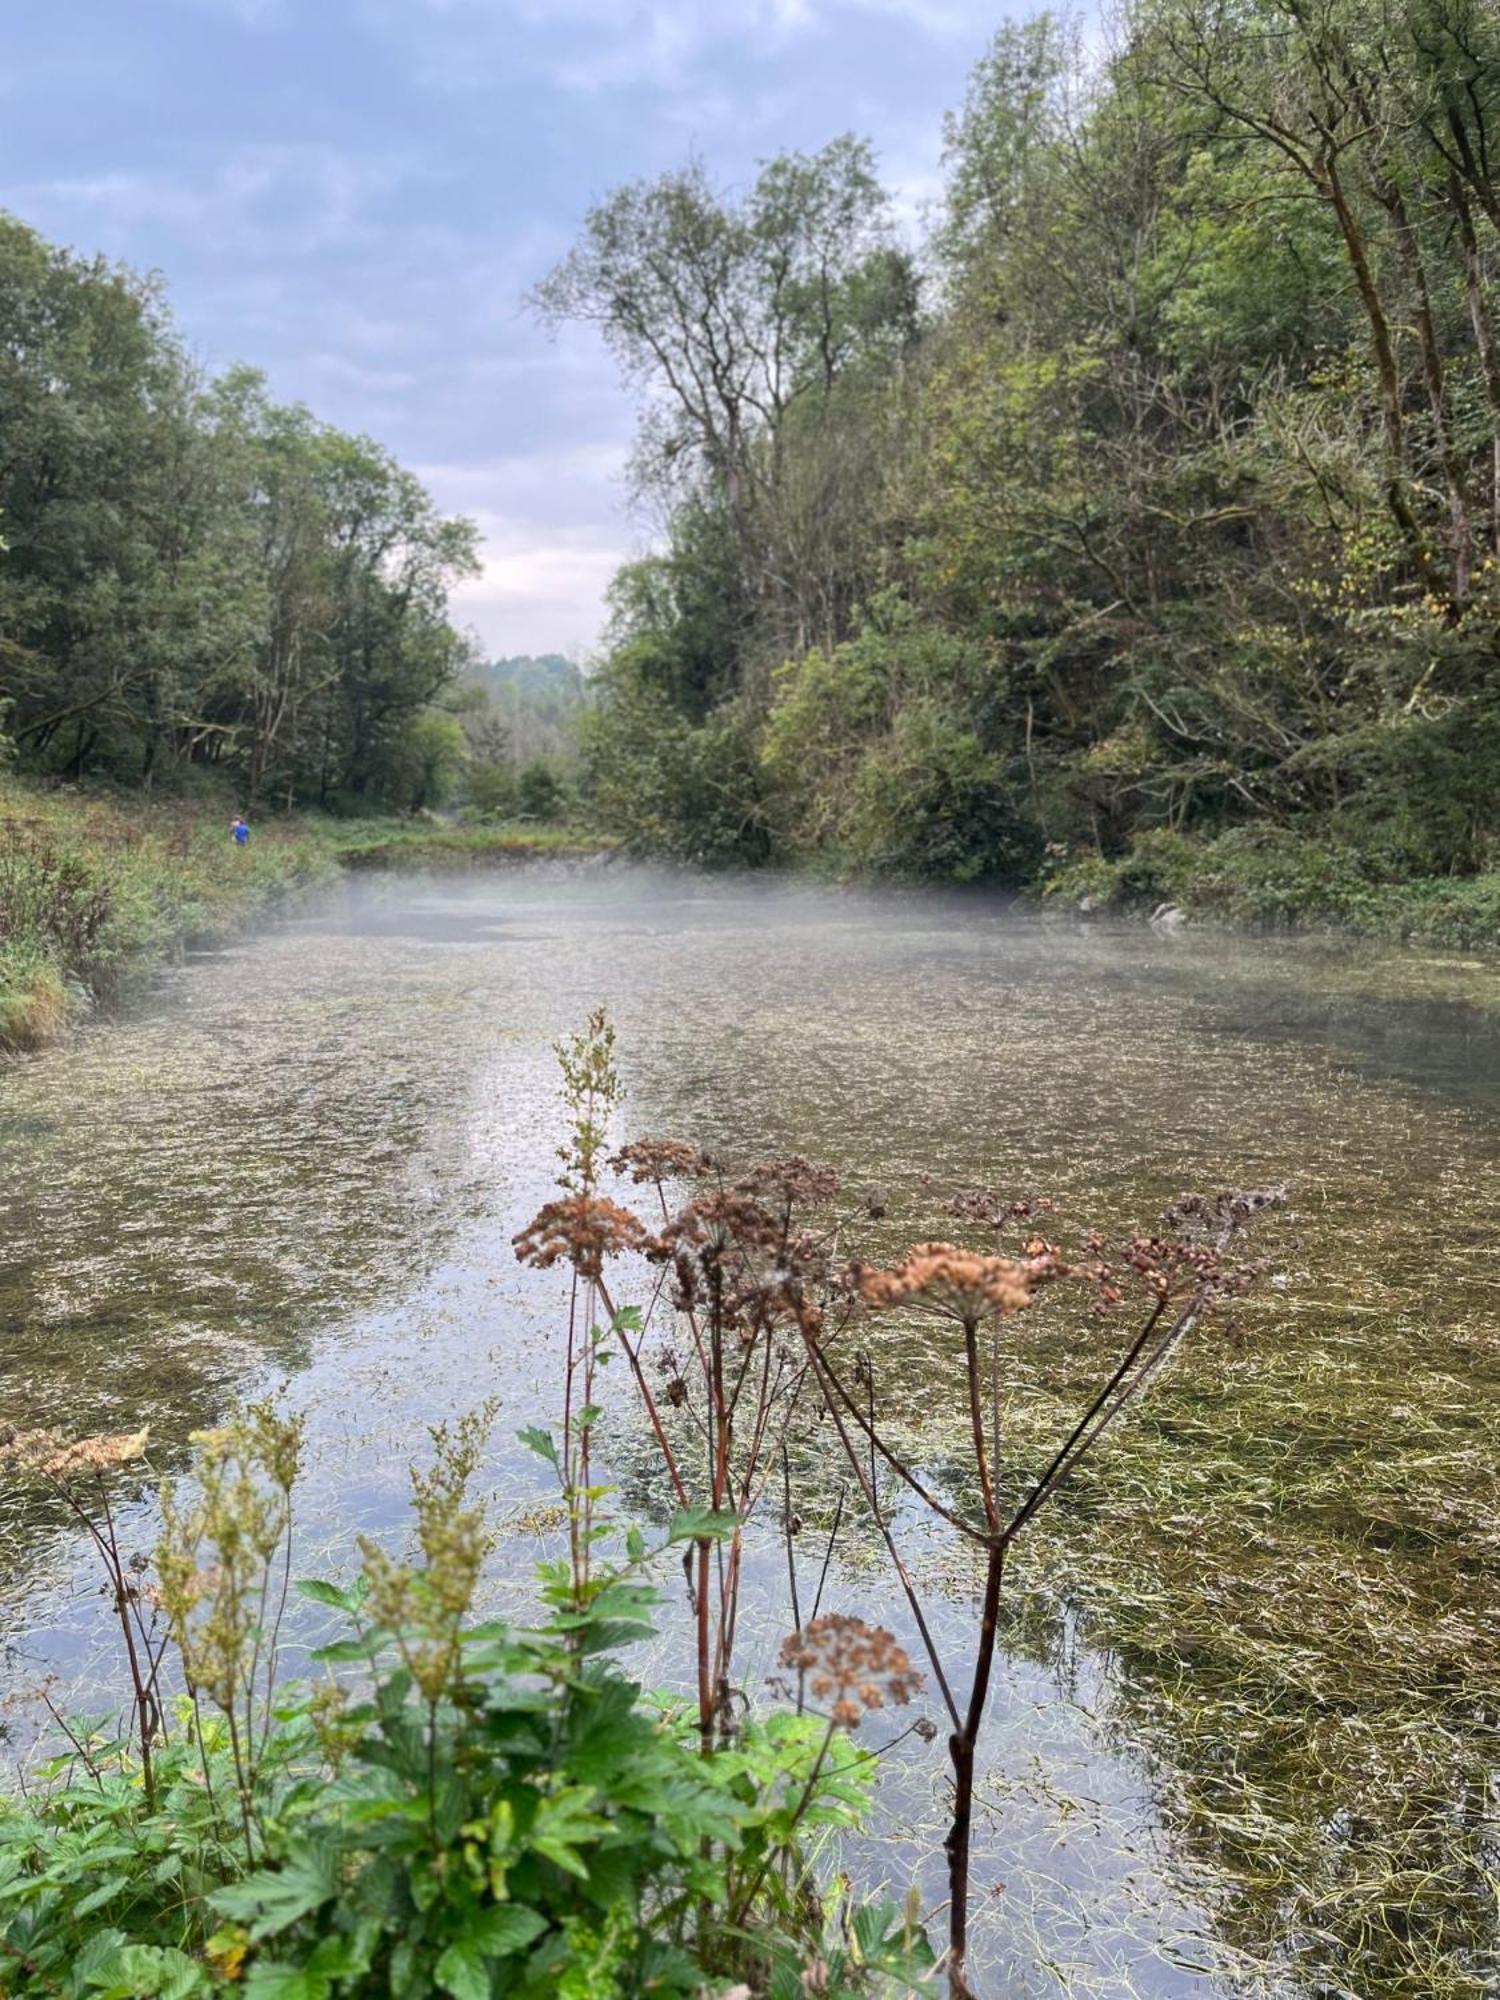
1167, 502
195, 577
461, 1808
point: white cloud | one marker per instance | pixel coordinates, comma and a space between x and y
283, 199
553, 531
346, 373
611, 44
539, 594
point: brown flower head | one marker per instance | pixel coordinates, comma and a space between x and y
1220, 1216
717, 1226
852, 1665
582, 1230
659, 1160
955, 1283
993, 1211
731, 1254
49, 1455
790, 1183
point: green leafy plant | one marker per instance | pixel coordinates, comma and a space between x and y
456, 1808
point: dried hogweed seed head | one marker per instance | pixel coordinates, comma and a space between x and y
582, 1230
954, 1283
49, 1455
993, 1211
851, 1665
722, 1224
1221, 1214
758, 1273
659, 1160
789, 1182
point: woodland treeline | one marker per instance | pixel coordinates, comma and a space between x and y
198, 579
1156, 494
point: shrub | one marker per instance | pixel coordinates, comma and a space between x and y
540, 792
1281, 879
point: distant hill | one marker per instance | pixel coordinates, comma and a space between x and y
535, 699
542, 680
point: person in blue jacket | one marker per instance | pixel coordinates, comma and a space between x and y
239, 830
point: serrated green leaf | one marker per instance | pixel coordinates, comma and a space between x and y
107, 1890
540, 1442
159, 1971
342, 1652
97, 1956
494, 1933
268, 1979
272, 1898
338, 1597
702, 1524
464, 1971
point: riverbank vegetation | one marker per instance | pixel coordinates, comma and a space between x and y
453, 1807
1136, 533
97, 890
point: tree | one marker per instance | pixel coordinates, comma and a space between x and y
740, 320
197, 575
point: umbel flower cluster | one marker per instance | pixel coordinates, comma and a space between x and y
958, 1284
740, 1250
49, 1455
854, 1667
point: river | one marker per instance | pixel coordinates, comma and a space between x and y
1245, 1737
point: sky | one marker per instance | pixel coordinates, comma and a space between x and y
356, 195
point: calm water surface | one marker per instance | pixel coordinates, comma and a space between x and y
305, 1158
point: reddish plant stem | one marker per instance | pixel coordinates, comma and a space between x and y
976, 1425
644, 1387
901, 1470
962, 1745
1065, 1458
145, 1700
897, 1562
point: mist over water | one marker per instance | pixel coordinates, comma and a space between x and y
305, 1158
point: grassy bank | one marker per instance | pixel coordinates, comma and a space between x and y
95, 893
396, 844
1268, 878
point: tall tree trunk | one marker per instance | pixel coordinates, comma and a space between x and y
1484, 338
1461, 526
1397, 496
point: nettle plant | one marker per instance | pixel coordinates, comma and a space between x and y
754, 1317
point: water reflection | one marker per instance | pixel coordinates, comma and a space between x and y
307, 1157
